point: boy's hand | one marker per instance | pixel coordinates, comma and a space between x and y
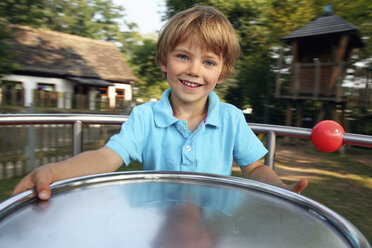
262, 173
299, 186
40, 179
102, 160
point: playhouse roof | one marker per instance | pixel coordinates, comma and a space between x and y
324, 25
52, 53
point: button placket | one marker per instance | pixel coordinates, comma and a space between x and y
188, 148
182, 128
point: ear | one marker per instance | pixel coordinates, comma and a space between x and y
219, 81
163, 68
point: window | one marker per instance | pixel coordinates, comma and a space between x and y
120, 93
11, 92
46, 87
120, 98
102, 91
46, 96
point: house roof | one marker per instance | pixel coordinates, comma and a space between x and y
326, 24
46, 52
90, 81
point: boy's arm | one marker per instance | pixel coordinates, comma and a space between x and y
86, 163
262, 173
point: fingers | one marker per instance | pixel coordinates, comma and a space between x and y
40, 179
23, 185
299, 186
42, 187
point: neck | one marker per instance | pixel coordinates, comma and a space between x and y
185, 109
193, 113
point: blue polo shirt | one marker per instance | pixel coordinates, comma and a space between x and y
160, 141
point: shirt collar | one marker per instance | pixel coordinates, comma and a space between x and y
163, 113
213, 110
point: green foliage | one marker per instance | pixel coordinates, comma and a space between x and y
28, 12
259, 25
97, 19
151, 82
175, 6
255, 89
361, 122
6, 64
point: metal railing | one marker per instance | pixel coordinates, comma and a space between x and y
77, 120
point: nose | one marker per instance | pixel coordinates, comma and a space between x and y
194, 68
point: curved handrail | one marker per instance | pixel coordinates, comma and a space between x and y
280, 130
79, 119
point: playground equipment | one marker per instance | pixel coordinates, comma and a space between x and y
151, 209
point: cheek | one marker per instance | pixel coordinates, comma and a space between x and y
213, 77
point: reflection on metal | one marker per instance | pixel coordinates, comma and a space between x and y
78, 137
171, 209
79, 119
271, 144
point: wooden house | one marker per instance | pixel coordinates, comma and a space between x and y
66, 71
319, 58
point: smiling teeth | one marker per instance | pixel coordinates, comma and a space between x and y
190, 84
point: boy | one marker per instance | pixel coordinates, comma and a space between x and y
188, 129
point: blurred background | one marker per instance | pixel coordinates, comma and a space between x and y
303, 61
263, 85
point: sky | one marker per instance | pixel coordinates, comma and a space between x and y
146, 13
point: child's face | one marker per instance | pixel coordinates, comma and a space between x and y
192, 73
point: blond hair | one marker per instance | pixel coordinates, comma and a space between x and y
206, 26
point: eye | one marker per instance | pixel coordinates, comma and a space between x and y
209, 63
182, 56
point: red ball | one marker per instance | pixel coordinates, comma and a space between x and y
327, 136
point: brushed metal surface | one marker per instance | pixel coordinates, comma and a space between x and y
168, 209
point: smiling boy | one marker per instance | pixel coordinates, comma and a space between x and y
189, 129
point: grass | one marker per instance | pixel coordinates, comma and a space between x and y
341, 182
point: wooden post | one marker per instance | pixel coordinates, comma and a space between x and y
339, 56
339, 91
278, 75
334, 112
321, 113
299, 115
316, 80
2, 95
296, 68
42, 98
367, 101
288, 120
80, 97
13, 95
297, 82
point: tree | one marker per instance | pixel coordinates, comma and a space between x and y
28, 12
6, 64
151, 82
96, 19
16, 12
259, 25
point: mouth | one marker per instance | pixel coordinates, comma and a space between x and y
190, 84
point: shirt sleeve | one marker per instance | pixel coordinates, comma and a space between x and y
247, 148
129, 143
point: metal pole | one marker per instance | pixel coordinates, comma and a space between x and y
77, 137
270, 144
30, 147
